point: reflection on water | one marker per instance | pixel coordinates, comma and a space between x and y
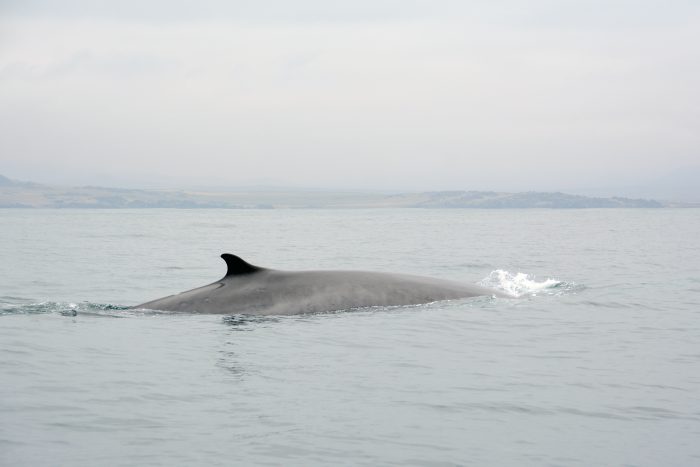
228, 361
243, 322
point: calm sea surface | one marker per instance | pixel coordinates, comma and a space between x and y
597, 363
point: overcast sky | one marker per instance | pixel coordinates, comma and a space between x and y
379, 94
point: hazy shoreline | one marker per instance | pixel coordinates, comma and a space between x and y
28, 195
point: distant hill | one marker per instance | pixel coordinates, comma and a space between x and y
18, 194
678, 185
7, 182
528, 200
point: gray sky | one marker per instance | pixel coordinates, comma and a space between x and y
381, 94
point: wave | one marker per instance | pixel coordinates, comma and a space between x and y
22, 306
522, 284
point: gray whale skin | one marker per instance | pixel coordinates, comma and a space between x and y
252, 290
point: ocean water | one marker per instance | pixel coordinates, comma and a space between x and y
596, 363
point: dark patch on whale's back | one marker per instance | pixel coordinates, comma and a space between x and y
237, 267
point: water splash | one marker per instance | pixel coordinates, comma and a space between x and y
520, 284
23, 306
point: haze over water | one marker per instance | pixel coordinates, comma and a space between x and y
594, 96
597, 362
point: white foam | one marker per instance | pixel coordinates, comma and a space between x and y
518, 283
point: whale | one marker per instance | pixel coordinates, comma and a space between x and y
247, 289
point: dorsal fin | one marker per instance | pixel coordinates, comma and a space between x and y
236, 266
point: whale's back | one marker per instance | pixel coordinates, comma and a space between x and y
258, 291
